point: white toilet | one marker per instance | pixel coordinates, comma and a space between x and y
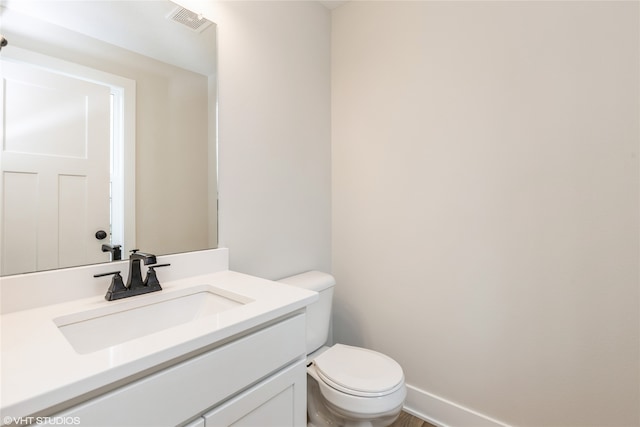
346, 386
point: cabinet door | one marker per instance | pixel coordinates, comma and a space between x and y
279, 401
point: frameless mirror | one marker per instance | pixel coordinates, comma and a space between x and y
108, 132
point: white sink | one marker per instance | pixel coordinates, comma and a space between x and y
117, 322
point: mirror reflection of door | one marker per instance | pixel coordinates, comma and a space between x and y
55, 163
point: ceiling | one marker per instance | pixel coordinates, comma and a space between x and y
140, 26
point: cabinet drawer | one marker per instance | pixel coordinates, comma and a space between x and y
175, 394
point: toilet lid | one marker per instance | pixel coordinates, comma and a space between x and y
359, 371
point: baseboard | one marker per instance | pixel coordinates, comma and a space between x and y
444, 413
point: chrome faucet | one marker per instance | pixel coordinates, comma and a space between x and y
135, 285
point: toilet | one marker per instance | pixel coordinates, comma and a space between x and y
346, 386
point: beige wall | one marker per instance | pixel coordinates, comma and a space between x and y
485, 202
172, 213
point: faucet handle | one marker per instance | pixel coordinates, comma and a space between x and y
117, 285
152, 278
159, 265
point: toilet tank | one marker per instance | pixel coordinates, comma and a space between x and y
319, 312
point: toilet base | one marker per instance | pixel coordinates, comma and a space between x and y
321, 413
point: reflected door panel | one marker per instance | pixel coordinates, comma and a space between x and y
55, 163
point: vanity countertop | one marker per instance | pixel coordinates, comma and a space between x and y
41, 370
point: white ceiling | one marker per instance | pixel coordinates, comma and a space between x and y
140, 26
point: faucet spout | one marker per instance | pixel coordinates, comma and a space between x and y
135, 271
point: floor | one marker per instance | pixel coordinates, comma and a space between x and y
406, 420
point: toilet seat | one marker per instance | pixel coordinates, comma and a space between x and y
358, 371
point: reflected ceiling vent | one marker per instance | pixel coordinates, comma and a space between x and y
190, 19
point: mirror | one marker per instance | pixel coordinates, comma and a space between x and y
109, 129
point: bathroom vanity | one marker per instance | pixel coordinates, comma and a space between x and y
213, 348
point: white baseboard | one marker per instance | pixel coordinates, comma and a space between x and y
444, 413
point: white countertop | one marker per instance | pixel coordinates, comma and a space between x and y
40, 369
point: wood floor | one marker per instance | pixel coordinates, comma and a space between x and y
406, 420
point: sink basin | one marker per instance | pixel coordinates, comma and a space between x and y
125, 320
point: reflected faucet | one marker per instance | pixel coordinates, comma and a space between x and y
116, 251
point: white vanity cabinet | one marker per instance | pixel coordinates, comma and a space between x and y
258, 379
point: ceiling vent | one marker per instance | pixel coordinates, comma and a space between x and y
189, 19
